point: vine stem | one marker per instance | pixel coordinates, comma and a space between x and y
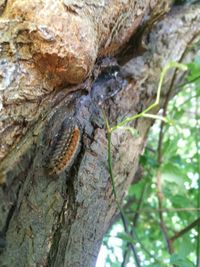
144, 112
124, 218
110, 130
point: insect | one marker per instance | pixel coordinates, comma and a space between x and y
66, 148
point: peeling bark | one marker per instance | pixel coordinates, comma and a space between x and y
48, 76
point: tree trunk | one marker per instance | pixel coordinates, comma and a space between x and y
62, 66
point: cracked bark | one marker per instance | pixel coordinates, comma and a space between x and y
48, 75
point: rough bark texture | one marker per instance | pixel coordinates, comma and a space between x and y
49, 78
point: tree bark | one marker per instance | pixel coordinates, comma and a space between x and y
57, 72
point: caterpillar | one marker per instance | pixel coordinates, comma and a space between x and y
66, 148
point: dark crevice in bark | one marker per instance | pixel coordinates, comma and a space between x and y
10, 214
54, 247
137, 44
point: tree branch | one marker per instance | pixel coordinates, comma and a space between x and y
185, 230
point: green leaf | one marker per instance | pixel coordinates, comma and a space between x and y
179, 201
185, 245
177, 160
178, 114
194, 73
169, 148
180, 261
136, 189
194, 68
172, 173
148, 160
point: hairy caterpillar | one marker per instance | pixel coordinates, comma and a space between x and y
66, 148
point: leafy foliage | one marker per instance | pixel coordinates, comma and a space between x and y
179, 171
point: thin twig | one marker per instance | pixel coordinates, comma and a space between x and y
162, 223
186, 83
140, 202
197, 140
159, 187
158, 180
150, 210
185, 230
135, 219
